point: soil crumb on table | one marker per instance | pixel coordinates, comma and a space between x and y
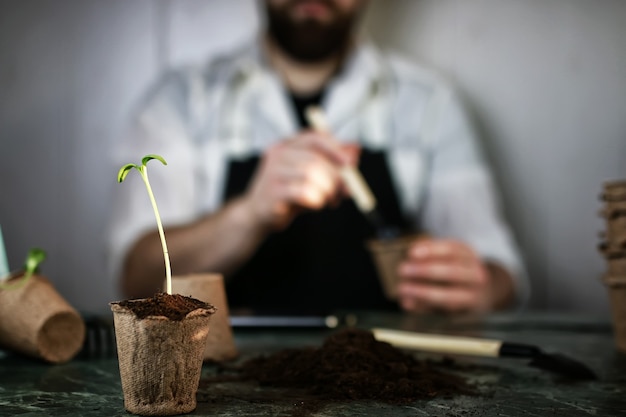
353, 365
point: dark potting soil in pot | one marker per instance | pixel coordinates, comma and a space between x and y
173, 306
352, 365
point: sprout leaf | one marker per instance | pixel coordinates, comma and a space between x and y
33, 259
147, 158
123, 172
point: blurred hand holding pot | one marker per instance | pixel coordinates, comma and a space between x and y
388, 253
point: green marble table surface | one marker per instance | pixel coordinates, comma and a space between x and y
90, 384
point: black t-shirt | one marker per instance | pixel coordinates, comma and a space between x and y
302, 101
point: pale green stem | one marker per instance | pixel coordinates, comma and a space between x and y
19, 284
168, 271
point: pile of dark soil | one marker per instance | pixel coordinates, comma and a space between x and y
353, 365
174, 306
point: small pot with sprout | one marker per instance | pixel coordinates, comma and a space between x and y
35, 319
160, 340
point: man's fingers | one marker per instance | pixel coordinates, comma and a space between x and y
298, 173
444, 273
443, 285
352, 152
325, 144
320, 174
299, 194
413, 305
420, 297
305, 177
423, 249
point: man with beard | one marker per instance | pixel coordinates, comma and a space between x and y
253, 192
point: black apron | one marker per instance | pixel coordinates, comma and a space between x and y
320, 262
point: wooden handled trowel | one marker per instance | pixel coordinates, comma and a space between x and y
553, 362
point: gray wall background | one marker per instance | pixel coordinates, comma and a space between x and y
544, 81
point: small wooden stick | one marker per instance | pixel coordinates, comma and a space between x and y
360, 191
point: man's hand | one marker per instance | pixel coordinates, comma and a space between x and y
448, 276
302, 172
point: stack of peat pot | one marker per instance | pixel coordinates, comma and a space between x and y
613, 247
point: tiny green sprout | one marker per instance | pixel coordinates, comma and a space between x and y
31, 265
143, 170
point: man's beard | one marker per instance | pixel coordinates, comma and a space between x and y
310, 41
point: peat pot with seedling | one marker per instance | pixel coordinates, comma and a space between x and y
35, 320
160, 340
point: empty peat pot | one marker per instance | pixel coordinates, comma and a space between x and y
220, 344
616, 286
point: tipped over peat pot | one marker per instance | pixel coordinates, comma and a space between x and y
160, 345
37, 321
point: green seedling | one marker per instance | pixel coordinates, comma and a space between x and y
143, 170
35, 257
